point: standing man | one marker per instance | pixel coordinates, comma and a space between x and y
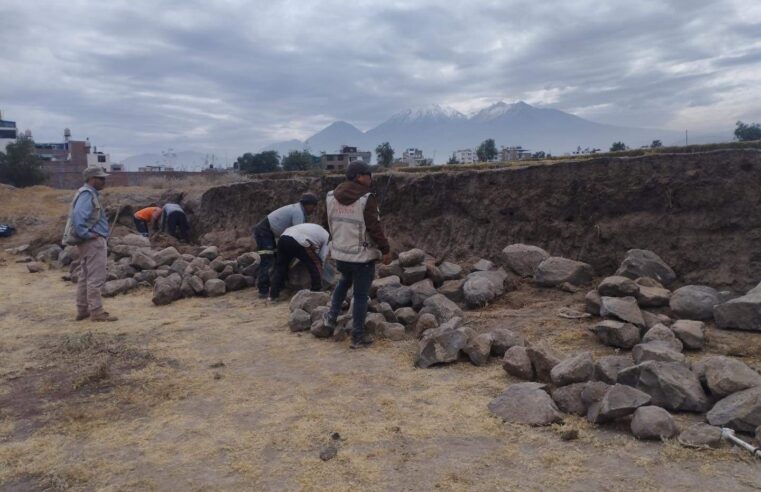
271, 227
175, 222
147, 217
87, 228
307, 242
358, 242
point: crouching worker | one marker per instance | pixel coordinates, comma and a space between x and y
175, 222
358, 242
309, 244
146, 219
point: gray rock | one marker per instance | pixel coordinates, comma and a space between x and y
248, 259
384, 308
483, 265
49, 253
648, 282
622, 308
651, 422
440, 345
594, 391
479, 291
148, 276
214, 287
35, 267
251, 270
726, 375
619, 401
421, 291
742, 313
425, 322
526, 403
391, 280
450, 271
68, 255
524, 259
694, 302
318, 312
375, 323
618, 286
196, 265
210, 253
392, 269
452, 289
478, 349
185, 288
142, 261
167, 289
654, 319
308, 300
319, 330
645, 263
701, 435
406, 316
236, 281
656, 351
396, 297
663, 334
592, 303
413, 274
217, 264
671, 385
608, 367
166, 256
411, 258
195, 283
503, 339
394, 332
179, 266
690, 333
653, 296
442, 308
556, 270
740, 411
116, 287
575, 369
226, 272
568, 399
432, 272
516, 362
543, 359
616, 334
207, 275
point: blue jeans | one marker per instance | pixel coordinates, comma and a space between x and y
360, 275
265, 245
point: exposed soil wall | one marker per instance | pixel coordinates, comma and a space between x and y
700, 212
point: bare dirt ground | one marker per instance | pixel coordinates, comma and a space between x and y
211, 394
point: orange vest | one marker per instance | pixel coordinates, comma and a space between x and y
147, 214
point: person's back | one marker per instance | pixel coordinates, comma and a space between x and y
148, 214
285, 217
310, 235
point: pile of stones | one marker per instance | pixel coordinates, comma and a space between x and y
652, 379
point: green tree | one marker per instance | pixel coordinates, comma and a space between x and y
745, 133
656, 144
298, 161
617, 147
19, 165
385, 154
487, 150
263, 162
453, 160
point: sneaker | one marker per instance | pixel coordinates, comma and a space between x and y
364, 343
328, 321
104, 316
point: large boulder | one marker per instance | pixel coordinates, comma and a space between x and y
616, 334
670, 384
543, 359
592, 303
392, 269
663, 334
450, 271
378, 283
690, 333
116, 287
395, 296
618, 286
568, 399
740, 411
411, 258
657, 351
479, 291
524, 259
210, 253
442, 308
406, 316
299, 321
167, 289
49, 253
645, 263
503, 339
608, 367
413, 274
440, 345
742, 313
425, 322
143, 261
421, 291
619, 401
236, 281
726, 375
214, 287
319, 330
478, 349
166, 256
526, 403
701, 436
555, 271
387, 312
516, 362
653, 422
452, 289
622, 308
308, 300
594, 391
694, 302
192, 286
248, 259
653, 296
575, 369
483, 265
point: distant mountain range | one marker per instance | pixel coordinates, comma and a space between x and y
439, 131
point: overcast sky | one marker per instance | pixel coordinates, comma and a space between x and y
230, 76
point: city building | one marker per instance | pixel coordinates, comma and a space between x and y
414, 157
159, 168
339, 161
8, 132
513, 154
465, 156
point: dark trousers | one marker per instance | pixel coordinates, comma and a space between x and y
177, 225
141, 226
288, 249
265, 245
360, 275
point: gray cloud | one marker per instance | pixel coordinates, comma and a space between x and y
233, 75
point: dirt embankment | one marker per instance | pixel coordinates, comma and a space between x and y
700, 212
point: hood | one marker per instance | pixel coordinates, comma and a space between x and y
349, 192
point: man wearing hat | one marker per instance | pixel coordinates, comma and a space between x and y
355, 249
87, 228
271, 227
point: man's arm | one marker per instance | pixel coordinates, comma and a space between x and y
82, 210
373, 225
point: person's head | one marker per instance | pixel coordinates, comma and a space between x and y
95, 177
359, 172
309, 202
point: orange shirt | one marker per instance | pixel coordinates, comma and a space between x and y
147, 214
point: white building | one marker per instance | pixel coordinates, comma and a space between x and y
513, 154
465, 156
8, 133
99, 159
414, 157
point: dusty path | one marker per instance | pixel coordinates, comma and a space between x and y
138, 406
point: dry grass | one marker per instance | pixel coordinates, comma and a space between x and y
199, 181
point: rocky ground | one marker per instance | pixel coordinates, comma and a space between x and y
219, 393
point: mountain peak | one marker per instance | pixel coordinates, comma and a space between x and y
500, 108
431, 111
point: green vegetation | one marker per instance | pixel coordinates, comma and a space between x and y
299, 161
747, 133
618, 147
19, 165
385, 154
263, 162
487, 151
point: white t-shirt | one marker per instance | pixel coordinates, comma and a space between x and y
310, 236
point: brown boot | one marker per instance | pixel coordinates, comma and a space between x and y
103, 316
82, 316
